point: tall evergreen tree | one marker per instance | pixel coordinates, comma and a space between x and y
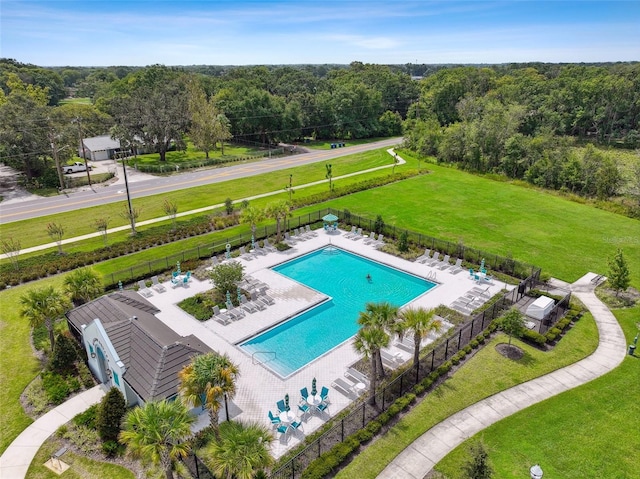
618, 272
110, 413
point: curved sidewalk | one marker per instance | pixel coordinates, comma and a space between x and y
17, 458
424, 453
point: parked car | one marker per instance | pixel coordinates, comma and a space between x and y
75, 168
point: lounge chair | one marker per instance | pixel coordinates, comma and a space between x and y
423, 257
357, 376
219, 316
157, 285
214, 261
246, 305
143, 290
481, 292
261, 251
263, 296
358, 235
444, 264
280, 405
297, 236
268, 246
392, 360
371, 239
309, 231
344, 387
245, 255
233, 312
275, 420
351, 233
288, 239
456, 267
434, 260
380, 240
261, 305
406, 343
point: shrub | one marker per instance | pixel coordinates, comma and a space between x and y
364, 435
112, 409
112, 448
534, 337
467, 349
62, 430
474, 343
64, 355
551, 336
55, 387
378, 226
403, 242
87, 418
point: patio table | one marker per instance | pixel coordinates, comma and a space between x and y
287, 416
314, 400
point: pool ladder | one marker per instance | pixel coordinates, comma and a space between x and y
270, 358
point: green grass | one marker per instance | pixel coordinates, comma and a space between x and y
192, 154
485, 374
566, 239
80, 222
81, 467
588, 432
18, 366
326, 144
81, 101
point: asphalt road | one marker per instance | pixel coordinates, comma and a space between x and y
99, 195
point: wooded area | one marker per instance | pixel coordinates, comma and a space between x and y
517, 120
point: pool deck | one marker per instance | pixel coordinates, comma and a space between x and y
258, 389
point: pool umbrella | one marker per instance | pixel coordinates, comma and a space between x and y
239, 294
482, 266
314, 391
330, 218
178, 267
228, 297
120, 285
253, 242
286, 402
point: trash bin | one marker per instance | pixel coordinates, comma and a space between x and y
632, 349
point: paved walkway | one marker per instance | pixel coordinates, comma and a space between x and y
424, 453
17, 458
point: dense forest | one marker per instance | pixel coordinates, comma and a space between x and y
518, 120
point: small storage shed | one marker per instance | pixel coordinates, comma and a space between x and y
540, 307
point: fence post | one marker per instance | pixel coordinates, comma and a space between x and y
384, 391
293, 466
364, 408
446, 349
433, 358
342, 430
460, 336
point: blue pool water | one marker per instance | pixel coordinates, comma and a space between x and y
343, 277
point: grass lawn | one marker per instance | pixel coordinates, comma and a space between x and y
588, 432
326, 144
18, 366
565, 238
81, 467
193, 154
485, 374
80, 222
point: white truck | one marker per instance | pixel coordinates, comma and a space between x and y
77, 167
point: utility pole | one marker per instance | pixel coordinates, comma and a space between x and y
84, 154
54, 149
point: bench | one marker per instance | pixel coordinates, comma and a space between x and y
59, 452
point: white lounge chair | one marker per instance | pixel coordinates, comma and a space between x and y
357, 376
261, 305
380, 241
143, 290
245, 255
247, 306
268, 246
371, 239
288, 239
344, 387
392, 360
456, 267
309, 231
424, 257
219, 316
156, 285
358, 235
444, 264
433, 261
351, 233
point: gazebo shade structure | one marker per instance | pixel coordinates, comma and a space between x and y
330, 218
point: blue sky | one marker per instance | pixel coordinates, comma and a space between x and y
100, 33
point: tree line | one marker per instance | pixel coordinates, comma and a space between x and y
519, 120
523, 122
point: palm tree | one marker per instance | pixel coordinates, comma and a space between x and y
156, 432
242, 450
44, 306
421, 322
279, 211
383, 315
83, 285
205, 381
253, 216
368, 341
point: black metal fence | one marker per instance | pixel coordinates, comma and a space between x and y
508, 266
556, 313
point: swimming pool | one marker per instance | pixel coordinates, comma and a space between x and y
343, 277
